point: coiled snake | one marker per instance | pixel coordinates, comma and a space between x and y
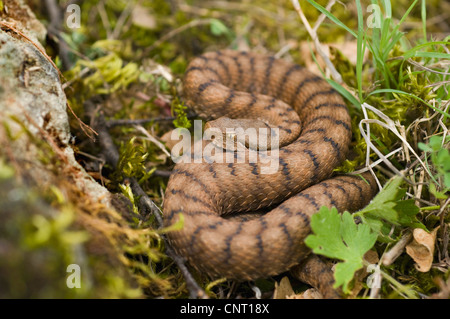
315, 134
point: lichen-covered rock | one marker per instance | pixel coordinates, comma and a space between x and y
33, 108
38, 238
19, 15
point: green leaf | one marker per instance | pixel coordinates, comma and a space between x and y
218, 28
434, 191
425, 147
440, 156
388, 208
337, 236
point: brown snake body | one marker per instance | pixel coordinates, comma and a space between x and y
314, 120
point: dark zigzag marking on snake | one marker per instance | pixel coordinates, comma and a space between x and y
191, 197
200, 228
286, 76
314, 161
191, 176
300, 86
353, 184
288, 212
334, 145
314, 95
239, 66
228, 240
329, 195
260, 243
201, 69
225, 68
267, 74
327, 117
333, 105
310, 200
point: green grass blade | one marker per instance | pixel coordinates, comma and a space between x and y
396, 35
424, 20
387, 8
436, 55
360, 49
346, 94
331, 17
393, 42
411, 53
405, 15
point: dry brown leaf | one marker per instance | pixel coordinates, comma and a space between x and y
421, 248
311, 293
283, 289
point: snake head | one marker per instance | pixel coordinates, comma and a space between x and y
235, 134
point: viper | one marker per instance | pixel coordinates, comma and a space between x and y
239, 222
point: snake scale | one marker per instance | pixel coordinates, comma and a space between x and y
311, 117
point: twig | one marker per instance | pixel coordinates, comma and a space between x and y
322, 16
113, 123
84, 127
365, 169
111, 154
152, 139
390, 125
312, 33
418, 199
420, 66
443, 208
389, 257
160, 173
